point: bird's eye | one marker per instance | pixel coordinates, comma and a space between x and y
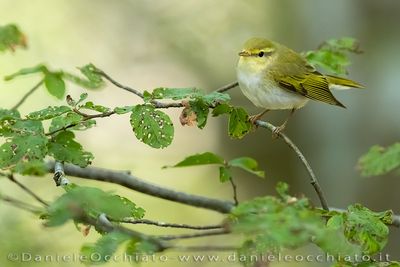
261, 54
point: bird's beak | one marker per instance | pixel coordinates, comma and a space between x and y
244, 54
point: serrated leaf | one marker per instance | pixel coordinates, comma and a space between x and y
64, 148
201, 109
32, 167
364, 227
224, 174
11, 37
222, 109
239, 124
39, 68
70, 118
25, 142
152, 127
99, 108
248, 164
104, 247
55, 84
380, 160
90, 201
9, 114
123, 110
206, 158
175, 93
48, 113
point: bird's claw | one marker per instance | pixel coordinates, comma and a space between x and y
276, 132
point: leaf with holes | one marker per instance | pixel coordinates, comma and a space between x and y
64, 148
71, 120
48, 113
380, 160
175, 93
239, 124
201, 109
152, 127
91, 106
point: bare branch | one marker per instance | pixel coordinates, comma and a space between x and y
20, 204
227, 87
194, 235
126, 88
171, 225
313, 178
23, 99
59, 174
137, 184
26, 189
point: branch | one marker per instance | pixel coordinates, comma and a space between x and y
313, 178
23, 99
171, 225
59, 174
227, 87
137, 184
27, 190
201, 234
21, 205
234, 189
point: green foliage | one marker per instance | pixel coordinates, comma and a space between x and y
81, 201
201, 109
25, 71
151, 126
64, 148
104, 247
11, 37
175, 93
239, 124
48, 113
123, 110
379, 160
333, 54
245, 163
55, 84
91, 106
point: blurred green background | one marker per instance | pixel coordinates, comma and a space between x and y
146, 44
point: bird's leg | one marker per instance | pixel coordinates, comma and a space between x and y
253, 118
280, 128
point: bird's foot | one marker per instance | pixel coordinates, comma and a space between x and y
254, 118
277, 131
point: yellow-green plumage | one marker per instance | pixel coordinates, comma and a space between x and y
273, 76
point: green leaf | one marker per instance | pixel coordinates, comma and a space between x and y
39, 68
32, 167
216, 97
92, 80
91, 106
239, 124
123, 110
175, 93
64, 148
366, 228
9, 114
201, 109
48, 113
224, 174
152, 127
104, 247
55, 84
222, 109
380, 160
25, 142
206, 158
71, 118
332, 55
11, 37
248, 164
139, 248
79, 200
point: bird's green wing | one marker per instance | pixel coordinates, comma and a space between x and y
309, 83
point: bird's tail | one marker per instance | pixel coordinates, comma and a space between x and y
339, 83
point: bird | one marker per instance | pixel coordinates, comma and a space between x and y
275, 77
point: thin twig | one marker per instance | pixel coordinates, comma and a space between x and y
23, 99
227, 87
171, 225
313, 178
194, 235
127, 88
234, 188
137, 184
20, 204
26, 189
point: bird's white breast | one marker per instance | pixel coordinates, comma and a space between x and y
263, 93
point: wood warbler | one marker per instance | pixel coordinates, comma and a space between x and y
273, 76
